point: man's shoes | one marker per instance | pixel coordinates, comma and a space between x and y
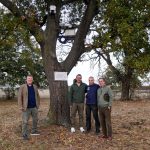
103, 137
82, 129
87, 130
97, 131
25, 137
35, 133
109, 138
73, 130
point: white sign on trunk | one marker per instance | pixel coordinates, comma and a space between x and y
60, 76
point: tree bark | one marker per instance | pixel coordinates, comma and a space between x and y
125, 89
59, 111
126, 83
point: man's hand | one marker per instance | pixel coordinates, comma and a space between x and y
109, 107
22, 109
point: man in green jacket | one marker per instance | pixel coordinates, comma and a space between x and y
104, 99
77, 97
28, 102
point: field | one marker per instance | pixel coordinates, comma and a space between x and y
130, 120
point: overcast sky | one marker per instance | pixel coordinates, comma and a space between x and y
86, 69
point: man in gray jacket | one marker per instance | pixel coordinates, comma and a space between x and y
28, 102
104, 98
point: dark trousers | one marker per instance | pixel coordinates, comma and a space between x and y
94, 109
77, 107
105, 120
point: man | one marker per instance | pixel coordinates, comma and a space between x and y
91, 105
29, 101
76, 97
104, 97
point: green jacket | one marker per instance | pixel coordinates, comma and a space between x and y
77, 93
100, 96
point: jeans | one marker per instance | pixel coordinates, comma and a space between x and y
92, 108
33, 112
80, 108
105, 120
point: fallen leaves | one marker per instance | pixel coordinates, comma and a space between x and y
130, 120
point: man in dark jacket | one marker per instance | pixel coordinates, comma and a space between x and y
76, 97
91, 105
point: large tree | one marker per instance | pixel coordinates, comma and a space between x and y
124, 32
33, 15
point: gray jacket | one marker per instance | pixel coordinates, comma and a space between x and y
100, 96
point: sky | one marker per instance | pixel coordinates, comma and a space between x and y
86, 70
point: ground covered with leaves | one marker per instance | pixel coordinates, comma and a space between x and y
130, 121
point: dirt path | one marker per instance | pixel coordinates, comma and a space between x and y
131, 130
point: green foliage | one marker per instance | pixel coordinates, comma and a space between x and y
112, 80
123, 31
19, 55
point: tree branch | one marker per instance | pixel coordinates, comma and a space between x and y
109, 63
34, 28
12, 7
78, 47
68, 2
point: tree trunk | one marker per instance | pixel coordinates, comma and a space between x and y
59, 111
125, 78
125, 87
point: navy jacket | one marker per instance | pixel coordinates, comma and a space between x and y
91, 97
